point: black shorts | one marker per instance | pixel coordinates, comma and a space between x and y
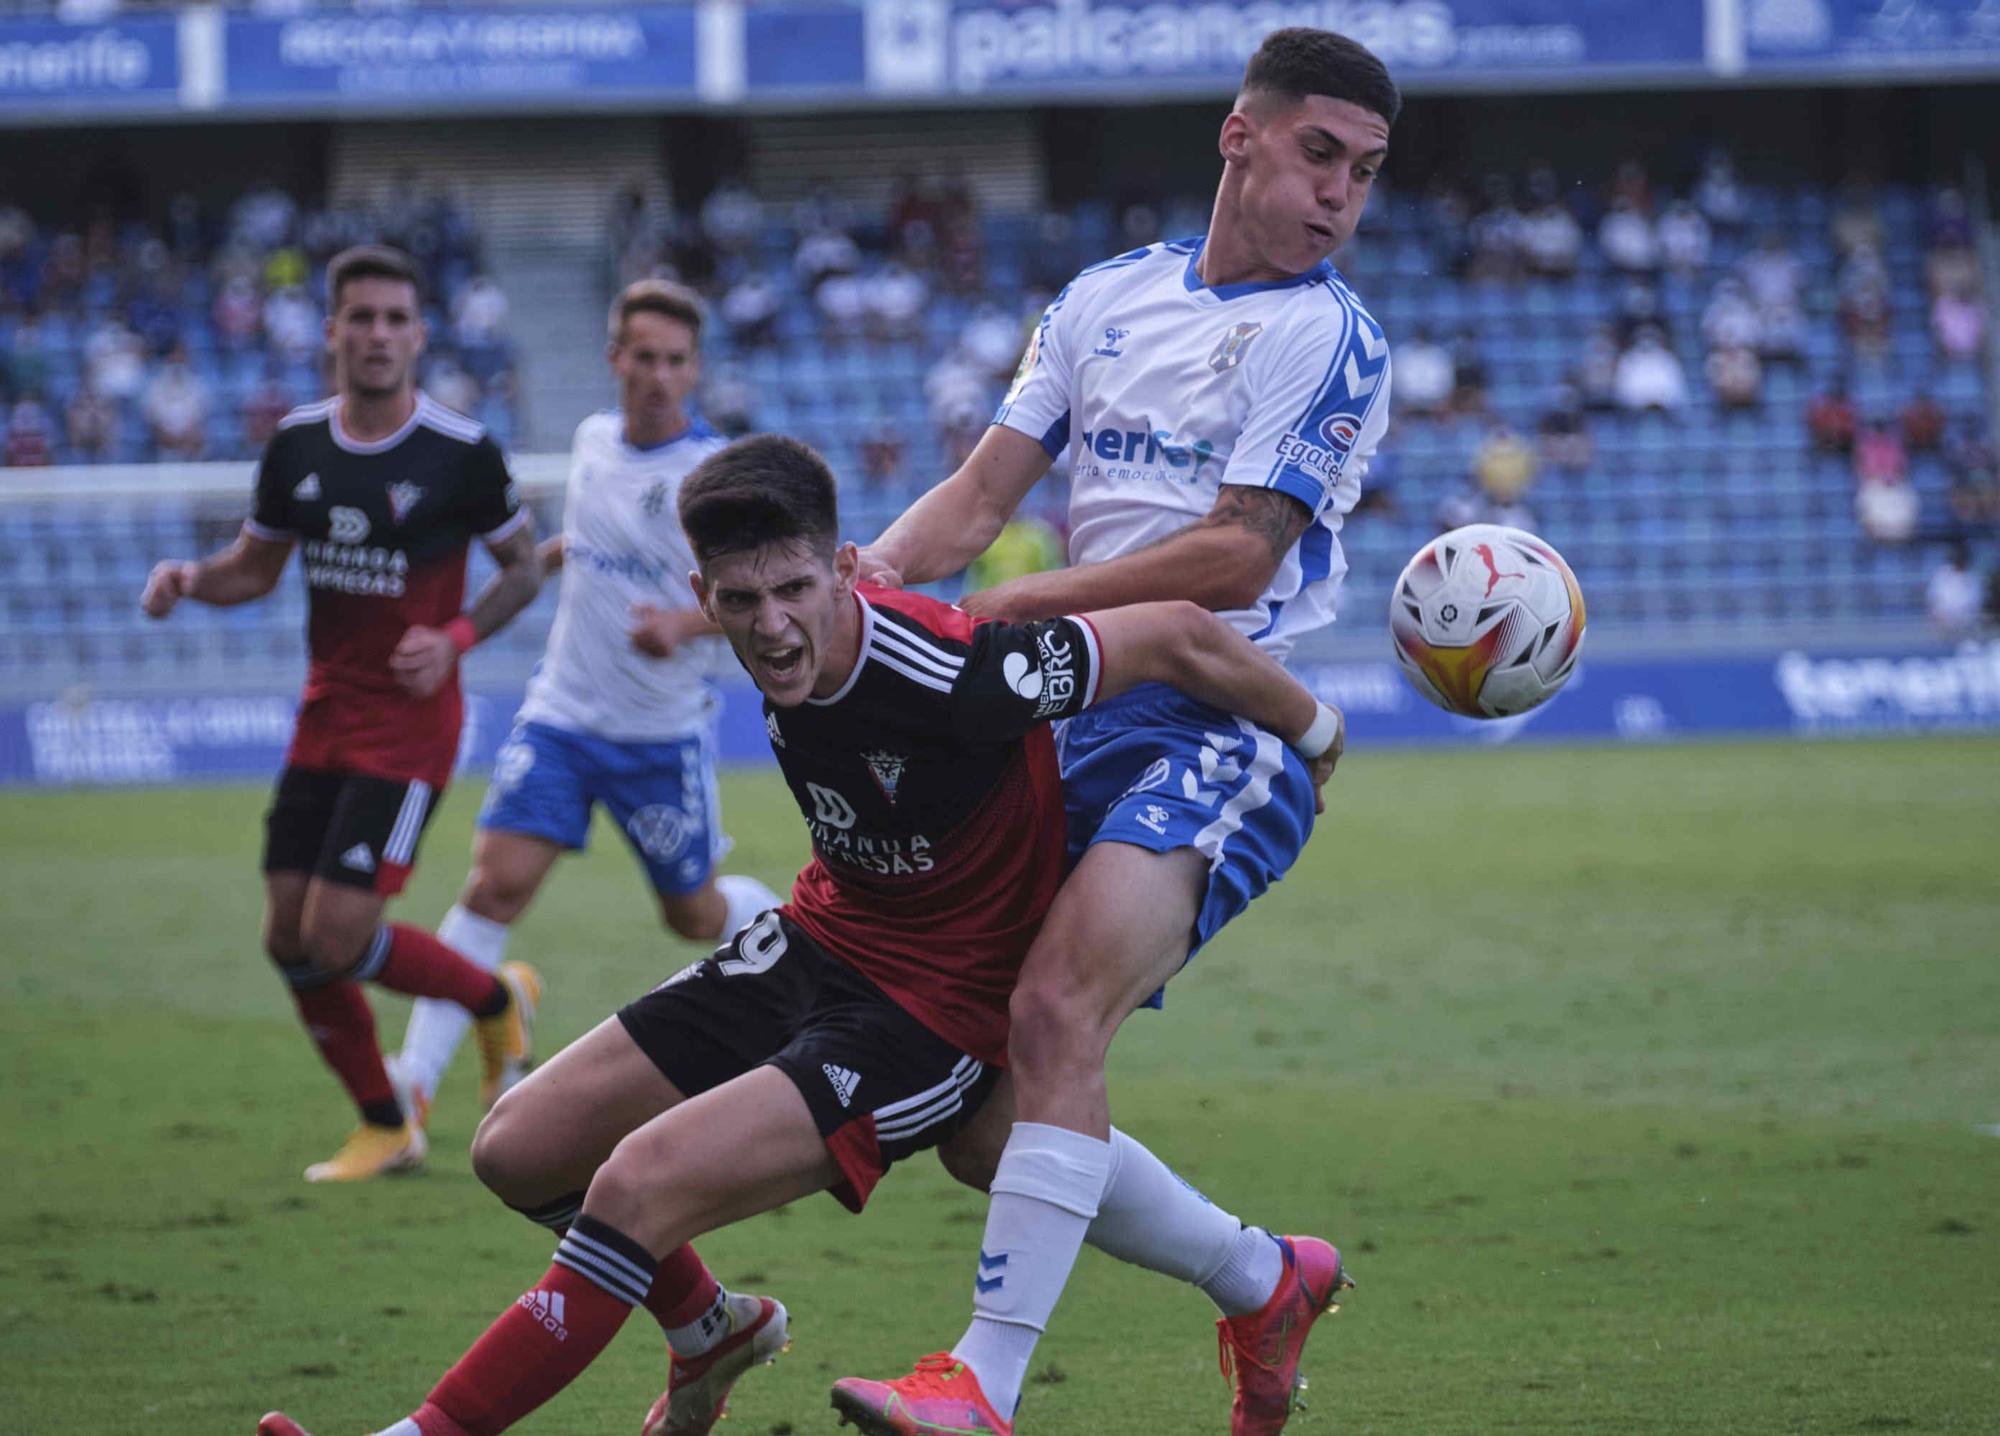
880, 1084
347, 828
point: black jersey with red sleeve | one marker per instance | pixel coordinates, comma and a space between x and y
383, 529
930, 786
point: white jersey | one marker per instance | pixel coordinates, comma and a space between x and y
622, 544
1164, 389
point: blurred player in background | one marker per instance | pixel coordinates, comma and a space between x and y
620, 710
1220, 398
385, 488
860, 1022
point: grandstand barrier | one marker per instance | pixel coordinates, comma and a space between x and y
84, 739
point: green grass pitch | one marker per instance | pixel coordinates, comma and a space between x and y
1647, 1090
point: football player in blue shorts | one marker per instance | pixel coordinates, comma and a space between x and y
1219, 398
620, 710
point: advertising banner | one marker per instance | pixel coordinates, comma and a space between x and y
129, 741
47, 66
1099, 46
1870, 36
461, 58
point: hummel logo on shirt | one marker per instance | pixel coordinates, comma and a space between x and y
359, 858
308, 487
844, 1082
547, 1308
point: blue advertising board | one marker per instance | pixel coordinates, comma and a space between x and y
1045, 46
133, 741
47, 67
1871, 36
461, 58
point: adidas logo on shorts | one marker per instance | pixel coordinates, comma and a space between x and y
547, 1308
844, 1082
359, 858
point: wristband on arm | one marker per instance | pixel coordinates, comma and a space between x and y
1318, 738
461, 633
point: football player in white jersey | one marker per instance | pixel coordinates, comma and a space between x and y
1219, 398
620, 710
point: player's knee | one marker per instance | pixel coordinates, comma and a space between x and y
689, 923
283, 945
495, 894
971, 1160
503, 1155
631, 1181
1054, 1026
332, 948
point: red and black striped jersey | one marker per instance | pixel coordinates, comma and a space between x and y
383, 529
930, 787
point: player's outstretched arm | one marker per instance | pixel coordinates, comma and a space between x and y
248, 569
1223, 560
1187, 647
955, 522
551, 554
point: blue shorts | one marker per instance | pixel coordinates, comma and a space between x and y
661, 794
1160, 771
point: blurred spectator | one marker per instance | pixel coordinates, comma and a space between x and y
894, 298
292, 324
25, 365
29, 434
1496, 236
824, 253
1736, 377
994, 340
479, 313
1947, 219
729, 403
1773, 275
1650, 376
1718, 193
915, 215
842, 305
176, 408
1958, 324
263, 407
883, 448
1923, 423
731, 217
1863, 306
1784, 334
1424, 377
1856, 223
114, 361
1551, 241
1638, 308
1503, 465
959, 396
750, 310
1468, 376
1628, 239
1879, 457
1886, 509
237, 312
95, 427
1730, 318
1831, 420
1597, 370
1952, 597
1971, 511
449, 384
1563, 433
1684, 238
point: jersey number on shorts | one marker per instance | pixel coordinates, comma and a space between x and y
758, 947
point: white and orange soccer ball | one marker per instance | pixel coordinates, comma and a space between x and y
1487, 621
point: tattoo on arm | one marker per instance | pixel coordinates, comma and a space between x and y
1274, 516
514, 587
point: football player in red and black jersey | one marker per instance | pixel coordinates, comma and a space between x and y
385, 489
865, 1019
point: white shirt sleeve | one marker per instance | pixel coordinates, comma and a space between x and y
1038, 401
1319, 407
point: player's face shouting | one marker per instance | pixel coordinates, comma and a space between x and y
1307, 169
375, 335
787, 611
658, 365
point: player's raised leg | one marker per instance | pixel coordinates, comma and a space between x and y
743, 1148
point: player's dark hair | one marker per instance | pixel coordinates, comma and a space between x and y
369, 261
1298, 62
762, 490
656, 296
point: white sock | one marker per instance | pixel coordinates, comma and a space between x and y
436, 1026
746, 898
710, 1329
1045, 1192
1150, 1216
405, 1427
1251, 1274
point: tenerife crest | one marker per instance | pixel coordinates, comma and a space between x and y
1229, 349
403, 497
654, 499
888, 770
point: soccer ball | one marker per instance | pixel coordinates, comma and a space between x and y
1487, 621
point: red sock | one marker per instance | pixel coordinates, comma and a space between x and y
418, 965
340, 1021
536, 1348
684, 1289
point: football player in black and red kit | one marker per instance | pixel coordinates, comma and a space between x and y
385, 489
863, 1020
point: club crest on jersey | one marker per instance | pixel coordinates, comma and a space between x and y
1112, 339
307, 489
888, 770
1229, 349
654, 499
403, 497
